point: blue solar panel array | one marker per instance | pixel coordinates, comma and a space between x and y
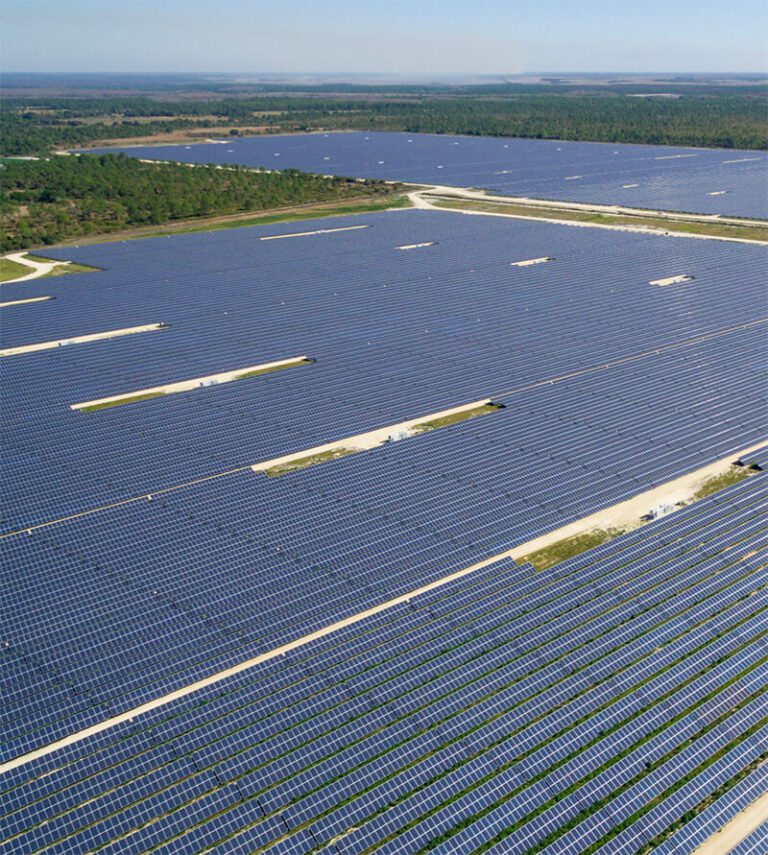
602, 703
704, 181
669, 379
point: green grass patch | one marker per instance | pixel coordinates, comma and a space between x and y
455, 418
720, 482
748, 232
256, 372
61, 269
309, 460
118, 402
569, 547
12, 270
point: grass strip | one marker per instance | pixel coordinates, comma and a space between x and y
118, 402
309, 460
456, 418
257, 372
570, 547
720, 482
239, 221
757, 233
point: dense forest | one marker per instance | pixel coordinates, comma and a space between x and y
49, 200
37, 125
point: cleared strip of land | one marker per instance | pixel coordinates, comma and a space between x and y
80, 339
315, 232
187, 385
733, 832
372, 439
528, 262
24, 302
625, 516
642, 500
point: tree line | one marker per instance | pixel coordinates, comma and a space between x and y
724, 120
46, 201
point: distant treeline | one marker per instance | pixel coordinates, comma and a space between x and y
44, 202
33, 126
728, 122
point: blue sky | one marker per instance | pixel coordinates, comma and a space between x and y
416, 37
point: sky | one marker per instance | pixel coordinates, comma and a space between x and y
408, 37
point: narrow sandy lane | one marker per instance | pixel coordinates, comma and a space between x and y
739, 828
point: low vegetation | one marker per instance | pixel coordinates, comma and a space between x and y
456, 418
12, 270
173, 389
746, 232
569, 547
118, 402
309, 460
47, 201
257, 372
720, 482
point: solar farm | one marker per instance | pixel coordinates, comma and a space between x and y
273, 498
699, 181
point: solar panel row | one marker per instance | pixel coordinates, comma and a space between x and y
599, 703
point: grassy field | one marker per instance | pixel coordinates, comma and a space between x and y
12, 270
757, 233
